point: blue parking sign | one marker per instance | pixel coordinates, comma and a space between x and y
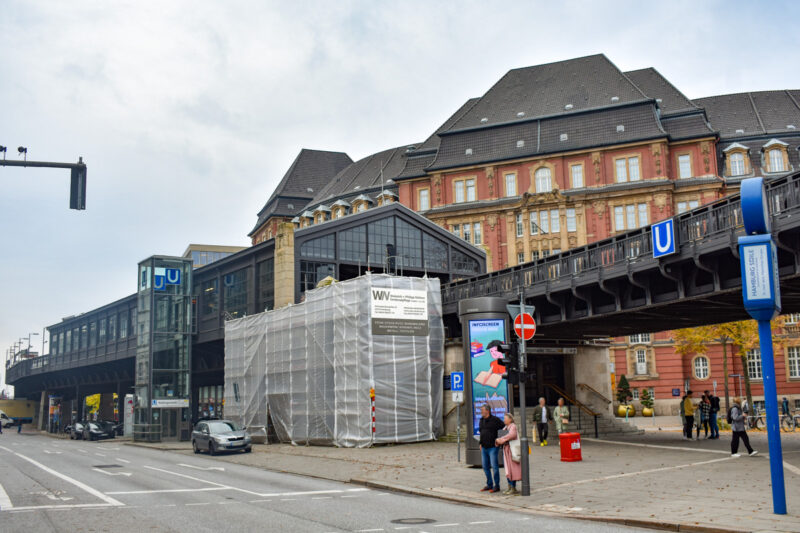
456, 381
663, 235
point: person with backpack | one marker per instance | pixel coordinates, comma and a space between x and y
688, 413
712, 420
736, 420
705, 415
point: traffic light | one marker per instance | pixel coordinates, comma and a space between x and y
77, 188
510, 360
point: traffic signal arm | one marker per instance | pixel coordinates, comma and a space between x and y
77, 190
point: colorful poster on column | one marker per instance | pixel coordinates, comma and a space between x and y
488, 385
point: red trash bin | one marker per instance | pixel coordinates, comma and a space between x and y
570, 447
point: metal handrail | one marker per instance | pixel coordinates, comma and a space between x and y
592, 389
699, 224
581, 407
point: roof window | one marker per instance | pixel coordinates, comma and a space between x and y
290, 206
309, 189
568, 107
468, 151
790, 127
739, 131
620, 128
521, 114
563, 137
614, 99
520, 143
484, 120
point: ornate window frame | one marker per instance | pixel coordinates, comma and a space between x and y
736, 148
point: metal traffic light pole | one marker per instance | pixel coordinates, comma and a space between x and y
77, 194
523, 440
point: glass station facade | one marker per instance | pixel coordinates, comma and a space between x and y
163, 349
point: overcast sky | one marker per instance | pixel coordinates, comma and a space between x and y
188, 113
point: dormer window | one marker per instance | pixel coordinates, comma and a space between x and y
737, 160
777, 158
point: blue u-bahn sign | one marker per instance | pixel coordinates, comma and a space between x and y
171, 276
664, 241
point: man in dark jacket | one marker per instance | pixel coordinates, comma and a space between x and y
714, 399
488, 427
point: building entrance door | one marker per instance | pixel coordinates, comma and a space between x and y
169, 424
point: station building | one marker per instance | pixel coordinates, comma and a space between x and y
551, 157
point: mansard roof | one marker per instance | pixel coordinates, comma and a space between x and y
553, 89
370, 173
753, 114
654, 85
308, 173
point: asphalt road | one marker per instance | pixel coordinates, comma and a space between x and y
60, 485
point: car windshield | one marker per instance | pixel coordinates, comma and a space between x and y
94, 425
221, 427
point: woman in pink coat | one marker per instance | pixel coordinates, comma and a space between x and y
513, 468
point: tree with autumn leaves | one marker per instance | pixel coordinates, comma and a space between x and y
741, 335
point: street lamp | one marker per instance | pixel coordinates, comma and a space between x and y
29, 343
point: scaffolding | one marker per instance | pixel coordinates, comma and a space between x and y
327, 375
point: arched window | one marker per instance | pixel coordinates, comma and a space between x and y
776, 160
737, 164
543, 181
701, 367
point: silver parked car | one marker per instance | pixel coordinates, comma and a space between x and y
220, 436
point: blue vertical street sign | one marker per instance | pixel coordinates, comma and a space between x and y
457, 381
762, 300
663, 235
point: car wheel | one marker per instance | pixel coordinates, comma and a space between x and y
248, 449
71, 436
212, 449
91, 437
195, 449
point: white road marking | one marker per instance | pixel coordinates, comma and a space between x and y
65, 506
661, 446
445, 525
352, 496
80, 485
112, 473
323, 498
100, 454
5, 501
201, 503
121, 460
480, 522
791, 468
82, 451
367, 530
289, 499
259, 501
158, 491
49, 452
629, 474
221, 469
108, 448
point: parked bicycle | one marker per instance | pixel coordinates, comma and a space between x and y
790, 422
756, 421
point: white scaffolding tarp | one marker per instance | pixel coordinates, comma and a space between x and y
312, 365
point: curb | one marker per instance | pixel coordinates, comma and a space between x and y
630, 522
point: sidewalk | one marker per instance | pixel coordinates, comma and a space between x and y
651, 480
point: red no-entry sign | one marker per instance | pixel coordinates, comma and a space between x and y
525, 326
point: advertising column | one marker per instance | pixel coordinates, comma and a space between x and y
483, 320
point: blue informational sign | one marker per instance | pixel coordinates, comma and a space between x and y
762, 300
173, 276
664, 240
457, 381
488, 386
159, 283
676, 392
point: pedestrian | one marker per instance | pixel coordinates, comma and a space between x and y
513, 468
705, 415
488, 427
561, 416
712, 419
19, 427
688, 411
785, 406
542, 417
736, 420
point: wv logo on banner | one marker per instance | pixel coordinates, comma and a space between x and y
380, 295
171, 276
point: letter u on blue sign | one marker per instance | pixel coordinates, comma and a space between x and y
173, 276
663, 235
159, 283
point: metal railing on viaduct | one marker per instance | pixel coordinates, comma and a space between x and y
615, 286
